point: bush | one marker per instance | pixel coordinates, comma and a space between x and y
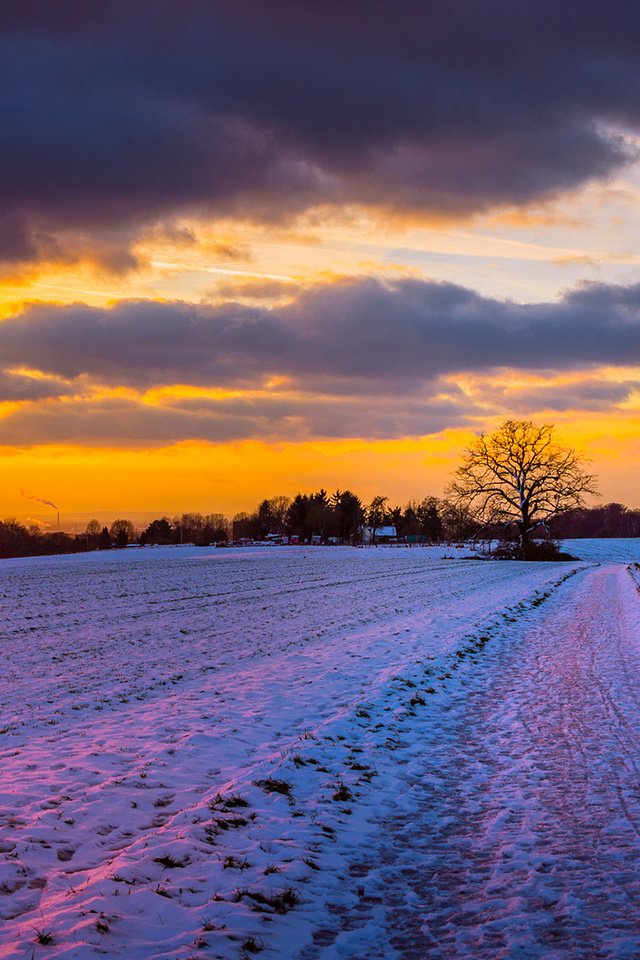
545, 550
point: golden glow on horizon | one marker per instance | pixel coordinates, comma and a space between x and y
221, 477
233, 477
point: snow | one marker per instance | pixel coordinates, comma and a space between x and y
305, 750
618, 550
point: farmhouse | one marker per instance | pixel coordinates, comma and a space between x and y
379, 535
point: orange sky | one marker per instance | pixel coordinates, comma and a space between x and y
230, 478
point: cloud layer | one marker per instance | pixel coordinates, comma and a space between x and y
118, 115
362, 330
356, 358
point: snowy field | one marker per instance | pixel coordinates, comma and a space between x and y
606, 551
318, 753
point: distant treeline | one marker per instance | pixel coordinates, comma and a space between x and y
343, 514
338, 517
433, 519
611, 520
17, 540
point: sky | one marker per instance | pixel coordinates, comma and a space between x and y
248, 249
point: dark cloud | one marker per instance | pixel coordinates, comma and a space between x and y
143, 343
16, 387
128, 422
367, 335
588, 395
123, 113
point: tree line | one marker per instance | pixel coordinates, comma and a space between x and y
340, 515
18, 540
432, 520
611, 520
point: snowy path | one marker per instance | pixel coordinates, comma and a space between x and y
517, 829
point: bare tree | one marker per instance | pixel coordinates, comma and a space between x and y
122, 532
377, 515
279, 507
93, 528
520, 475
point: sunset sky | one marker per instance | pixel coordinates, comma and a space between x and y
248, 247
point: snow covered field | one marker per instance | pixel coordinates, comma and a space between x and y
317, 753
619, 550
